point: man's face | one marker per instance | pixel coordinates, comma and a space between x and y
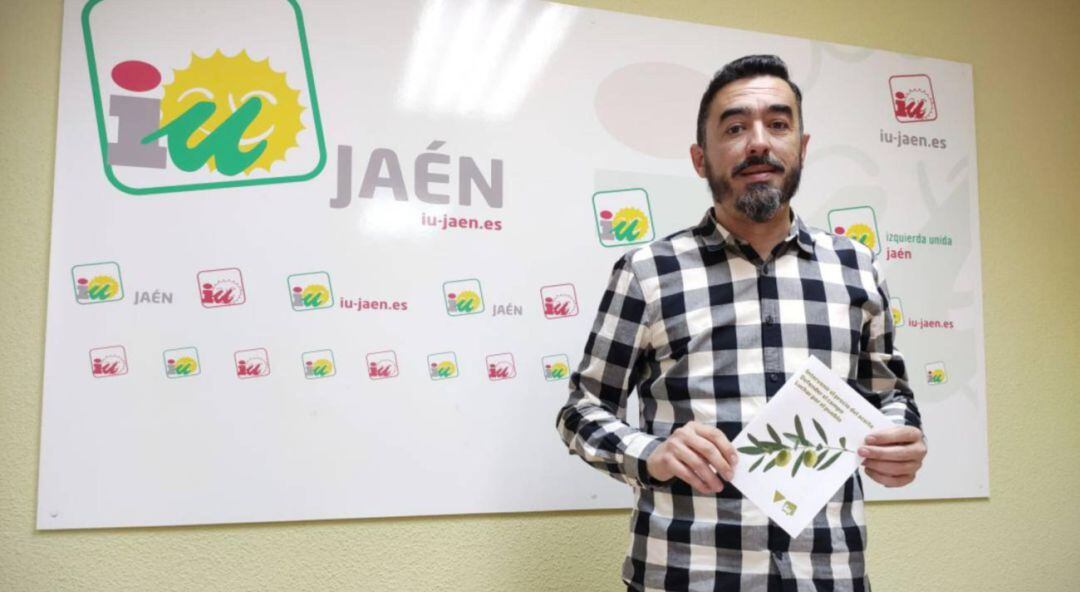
754, 148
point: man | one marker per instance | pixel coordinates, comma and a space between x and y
706, 325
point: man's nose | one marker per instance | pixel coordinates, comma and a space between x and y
758, 140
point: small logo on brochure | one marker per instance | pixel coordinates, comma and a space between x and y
560, 301
442, 366
556, 367
221, 287
859, 224
897, 309
97, 282
252, 363
913, 98
222, 117
108, 361
382, 365
318, 364
181, 362
787, 507
463, 297
501, 367
935, 373
310, 291
623, 217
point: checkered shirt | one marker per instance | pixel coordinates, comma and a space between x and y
706, 330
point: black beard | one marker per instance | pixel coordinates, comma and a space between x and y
761, 201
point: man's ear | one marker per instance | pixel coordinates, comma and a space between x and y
805, 141
697, 158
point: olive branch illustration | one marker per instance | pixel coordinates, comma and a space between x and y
806, 453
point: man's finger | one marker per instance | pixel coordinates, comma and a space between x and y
708, 450
693, 461
895, 435
888, 481
892, 469
893, 453
691, 478
719, 440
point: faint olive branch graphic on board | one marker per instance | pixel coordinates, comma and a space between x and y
806, 453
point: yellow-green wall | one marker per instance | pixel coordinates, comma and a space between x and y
1024, 538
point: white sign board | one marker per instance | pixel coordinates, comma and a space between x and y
326, 260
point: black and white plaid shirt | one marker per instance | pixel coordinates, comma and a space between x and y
706, 330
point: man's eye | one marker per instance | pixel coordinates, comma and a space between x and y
734, 129
780, 125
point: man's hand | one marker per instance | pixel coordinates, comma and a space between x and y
695, 453
893, 455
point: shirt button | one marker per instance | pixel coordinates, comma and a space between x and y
774, 377
768, 320
764, 270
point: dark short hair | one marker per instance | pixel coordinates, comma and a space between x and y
750, 66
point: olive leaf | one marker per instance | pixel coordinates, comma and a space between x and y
756, 463
843, 442
798, 463
751, 450
772, 432
820, 431
798, 428
822, 467
769, 465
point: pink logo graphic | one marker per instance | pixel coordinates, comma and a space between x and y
108, 361
913, 98
559, 301
221, 287
252, 363
382, 365
501, 367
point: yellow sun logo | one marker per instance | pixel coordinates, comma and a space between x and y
187, 365
322, 367
229, 82
629, 224
897, 316
467, 301
103, 287
862, 233
315, 295
446, 369
559, 370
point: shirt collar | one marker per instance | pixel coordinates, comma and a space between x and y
715, 236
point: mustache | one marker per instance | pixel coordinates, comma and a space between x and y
757, 161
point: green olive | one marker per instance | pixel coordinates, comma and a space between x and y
783, 458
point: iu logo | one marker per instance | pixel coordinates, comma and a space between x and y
442, 366
231, 106
252, 363
221, 287
318, 364
310, 291
913, 98
556, 367
382, 365
108, 361
181, 362
463, 297
623, 217
97, 282
501, 367
559, 301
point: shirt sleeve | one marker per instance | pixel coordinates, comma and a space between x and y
593, 421
881, 365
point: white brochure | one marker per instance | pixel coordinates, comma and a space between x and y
803, 445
